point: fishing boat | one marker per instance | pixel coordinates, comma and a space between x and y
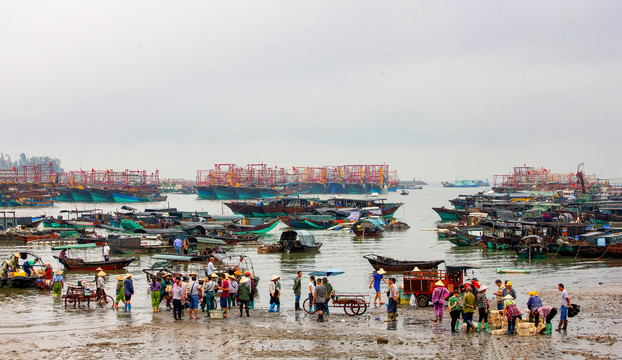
81, 264
292, 241
531, 247
37, 236
11, 273
370, 227
404, 192
137, 244
390, 264
450, 214
253, 229
299, 241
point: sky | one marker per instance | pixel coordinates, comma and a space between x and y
439, 90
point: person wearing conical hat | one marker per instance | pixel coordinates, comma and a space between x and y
274, 293
482, 308
58, 283
378, 277
100, 283
120, 293
128, 289
511, 312
533, 303
439, 295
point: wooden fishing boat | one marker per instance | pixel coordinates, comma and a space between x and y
450, 214
531, 247
28, 237
11, 273
250, 229
123, 245
370, 227
390, 264
292, 241
81, 264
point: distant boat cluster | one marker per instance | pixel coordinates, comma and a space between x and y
465, 183
231, 182
40, 185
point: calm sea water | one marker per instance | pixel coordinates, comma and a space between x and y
39, 311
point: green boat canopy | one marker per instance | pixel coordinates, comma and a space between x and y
171, 257
203, 240
75, 246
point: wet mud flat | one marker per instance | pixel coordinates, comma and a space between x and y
594, 334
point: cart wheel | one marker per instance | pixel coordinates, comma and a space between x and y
363, 308
106, 301
70, 300
305, 307
352, 308
422, 300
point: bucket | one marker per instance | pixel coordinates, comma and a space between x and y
405, 299
216, 314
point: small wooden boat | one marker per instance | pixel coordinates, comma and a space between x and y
256, 229
389, 264
370, 227
29, 237
292, 241
512, 271
532, 247
11, 273
81, 264
451, 214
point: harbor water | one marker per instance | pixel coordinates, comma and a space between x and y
35, 311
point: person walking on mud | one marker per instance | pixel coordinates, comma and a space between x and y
439, 295
120, 293
244, 293
563, 311
482, 308
468, 308
453, 310
179, 298
297, 289
128, 289
319, 299
378, 277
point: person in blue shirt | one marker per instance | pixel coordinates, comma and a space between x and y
28, 265
533, 304
178, 245
378, 276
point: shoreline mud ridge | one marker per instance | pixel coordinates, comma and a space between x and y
594, 334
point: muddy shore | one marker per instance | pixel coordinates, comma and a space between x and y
594, 334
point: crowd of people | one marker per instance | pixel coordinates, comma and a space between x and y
471, 298
237, 287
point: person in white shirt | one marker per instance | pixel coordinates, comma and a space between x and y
211, 269
311, 292
106, 252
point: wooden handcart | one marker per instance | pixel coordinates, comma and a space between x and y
352, 304
76, 295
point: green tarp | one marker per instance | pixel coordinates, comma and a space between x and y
75, 246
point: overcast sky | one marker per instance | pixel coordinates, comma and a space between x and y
438, 89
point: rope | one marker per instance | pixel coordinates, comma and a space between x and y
432, 213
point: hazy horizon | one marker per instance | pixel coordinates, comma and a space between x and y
438, 90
